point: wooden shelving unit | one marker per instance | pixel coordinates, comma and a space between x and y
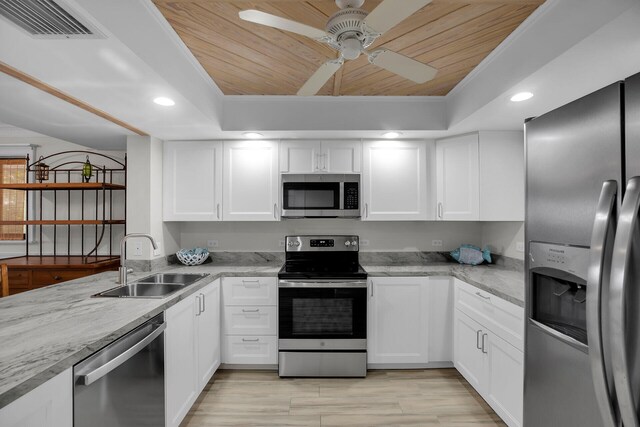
41, 269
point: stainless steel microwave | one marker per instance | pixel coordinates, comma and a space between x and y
320, 196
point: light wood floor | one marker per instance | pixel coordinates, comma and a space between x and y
430, 397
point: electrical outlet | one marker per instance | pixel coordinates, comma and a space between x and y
137, 249
436, 243
519, 246
212, 243
364, 242
281, 243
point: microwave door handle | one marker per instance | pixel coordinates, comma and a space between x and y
626, 233
597, 283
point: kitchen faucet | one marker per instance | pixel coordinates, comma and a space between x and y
122, 271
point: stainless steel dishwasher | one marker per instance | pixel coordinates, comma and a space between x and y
123, 383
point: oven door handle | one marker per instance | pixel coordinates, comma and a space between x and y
103, 370
322, 284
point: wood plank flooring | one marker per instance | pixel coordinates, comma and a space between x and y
423, 397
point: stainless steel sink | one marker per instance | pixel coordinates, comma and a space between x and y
157, 285
181, 278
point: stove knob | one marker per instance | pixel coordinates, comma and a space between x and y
347, 243
354, 243
296, 243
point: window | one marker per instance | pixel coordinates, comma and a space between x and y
13, 202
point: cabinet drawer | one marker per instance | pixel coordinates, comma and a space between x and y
250, 350
501, 317
250, 320
51, 277
19, 278
249, 291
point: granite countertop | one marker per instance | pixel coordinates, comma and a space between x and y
501, 282
45, 331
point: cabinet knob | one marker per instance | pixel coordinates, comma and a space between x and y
57, 278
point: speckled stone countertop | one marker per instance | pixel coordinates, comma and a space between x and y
46, 331
501, 282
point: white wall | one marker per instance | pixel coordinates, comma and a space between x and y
502, 237
382, 236
45, 146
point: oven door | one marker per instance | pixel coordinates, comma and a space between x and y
322, 315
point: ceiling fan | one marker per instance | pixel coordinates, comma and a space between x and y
351, 31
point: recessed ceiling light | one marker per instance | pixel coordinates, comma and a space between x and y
252, 135
164, 101
522, 96
392, 134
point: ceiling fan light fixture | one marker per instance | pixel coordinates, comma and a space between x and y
164, 101
252, 135
351, 48
392, 134
521, 96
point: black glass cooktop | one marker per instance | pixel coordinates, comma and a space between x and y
321, 271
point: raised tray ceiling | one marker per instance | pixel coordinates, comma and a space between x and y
250, 59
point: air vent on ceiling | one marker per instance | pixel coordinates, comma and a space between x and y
46, 19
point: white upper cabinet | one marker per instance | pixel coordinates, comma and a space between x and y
320, 156
480, 176
502, 176
250, 181
457, 187
394, 181
192, 181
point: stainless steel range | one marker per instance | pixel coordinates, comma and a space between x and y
322, 308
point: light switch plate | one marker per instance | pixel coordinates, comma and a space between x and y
212, 243
364, 242
436, 243
137, 249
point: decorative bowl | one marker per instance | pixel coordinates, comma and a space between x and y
195, 256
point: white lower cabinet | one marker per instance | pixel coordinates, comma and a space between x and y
192, 349
249, 321
401, 313
49, 405
484, 352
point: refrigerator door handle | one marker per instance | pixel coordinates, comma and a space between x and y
597, 283
621, 264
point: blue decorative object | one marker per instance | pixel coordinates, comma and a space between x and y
470, 254
195, 256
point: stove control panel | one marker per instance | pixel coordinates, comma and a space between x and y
321, 243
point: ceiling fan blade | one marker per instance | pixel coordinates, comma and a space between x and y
390, 13
320, 77
274, 21
402, 65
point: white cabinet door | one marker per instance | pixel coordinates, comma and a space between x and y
504, 388
181, 378
397, 320
457, 178
300, 156
394, 181
192, 181
440, 319
502, 176
341, 156
208, 333
48, 405
468, 357
250, 181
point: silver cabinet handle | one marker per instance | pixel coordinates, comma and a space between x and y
317, 165
218, 210
478, 339
204, 307
324, 162
199, 305
621, 264
253, 283
250, 340
257, 310
372, 289
103, 370
483, 337
482, 296
366, 210
440, 210
275, 210
602, 237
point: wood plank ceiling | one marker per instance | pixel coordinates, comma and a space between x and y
244, 58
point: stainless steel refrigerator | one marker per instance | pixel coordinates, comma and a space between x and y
582, 338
